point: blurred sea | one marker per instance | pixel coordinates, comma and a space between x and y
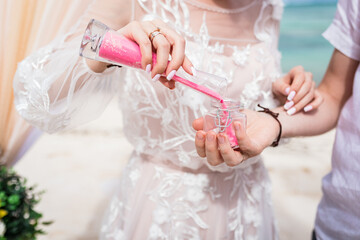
301, 42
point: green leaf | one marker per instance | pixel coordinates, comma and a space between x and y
14, 199
22, 221
47, 222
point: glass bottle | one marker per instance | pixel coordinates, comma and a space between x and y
106, 45
221, 118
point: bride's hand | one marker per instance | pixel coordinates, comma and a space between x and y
297, 91
261, 131
169, 42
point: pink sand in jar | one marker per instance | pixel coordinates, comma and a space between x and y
230, 132
231, 135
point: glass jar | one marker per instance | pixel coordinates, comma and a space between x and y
221, 118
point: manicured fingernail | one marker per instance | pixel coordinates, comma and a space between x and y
148, 68
291, 111
171, 75
199, 136
291, 95
156, 77
237, 126
193, 70
221, 139
210, 137
288, 105
287, 90
308, 108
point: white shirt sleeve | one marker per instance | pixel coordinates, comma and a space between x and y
344, 31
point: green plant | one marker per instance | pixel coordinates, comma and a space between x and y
18, 218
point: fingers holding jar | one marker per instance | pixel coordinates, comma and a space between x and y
217, 149
216, 138
246, 139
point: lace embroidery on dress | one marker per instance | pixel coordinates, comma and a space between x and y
113, 227
173, 212
245, 218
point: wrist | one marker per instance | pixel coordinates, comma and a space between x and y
275, 125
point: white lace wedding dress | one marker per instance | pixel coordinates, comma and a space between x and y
167, 191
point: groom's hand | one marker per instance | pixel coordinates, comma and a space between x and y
260, 132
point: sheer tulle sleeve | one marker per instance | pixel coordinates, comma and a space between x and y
55, 89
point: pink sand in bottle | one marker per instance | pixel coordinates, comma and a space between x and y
121, 50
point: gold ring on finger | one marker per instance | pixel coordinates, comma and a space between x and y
154, 33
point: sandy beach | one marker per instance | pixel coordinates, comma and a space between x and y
79, 170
